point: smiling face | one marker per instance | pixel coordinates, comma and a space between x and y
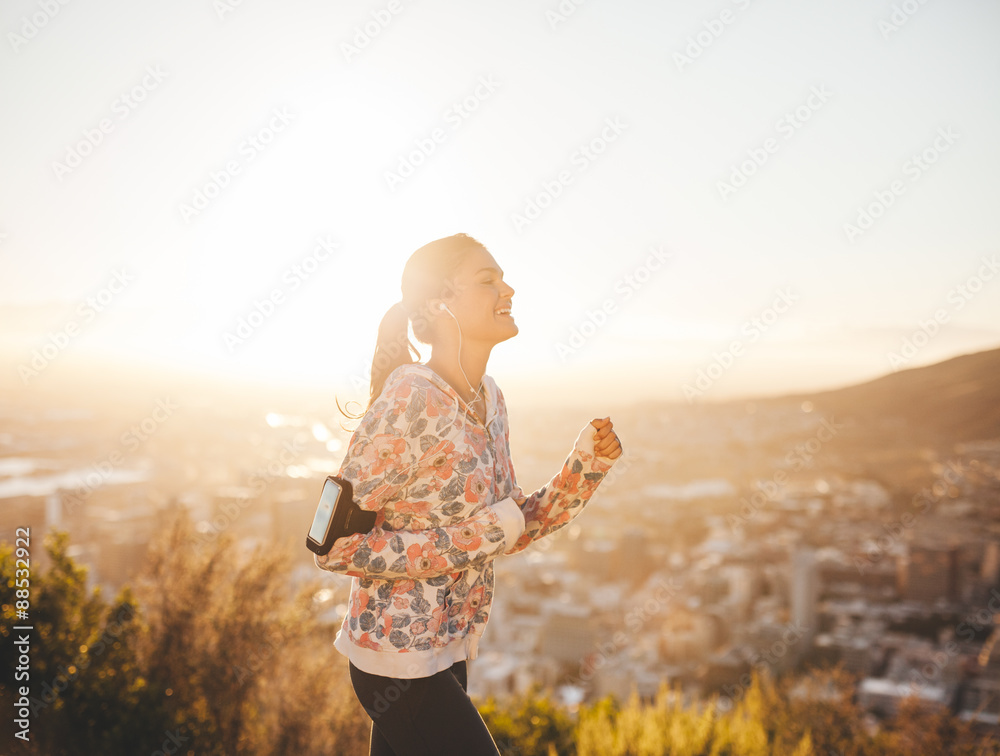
481, 300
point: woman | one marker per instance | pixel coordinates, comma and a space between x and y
431, 455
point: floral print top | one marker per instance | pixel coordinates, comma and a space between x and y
444, 488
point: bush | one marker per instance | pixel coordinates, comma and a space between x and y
209, 654
529, 725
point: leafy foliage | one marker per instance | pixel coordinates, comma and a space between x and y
209, 654
529, 724
796, 718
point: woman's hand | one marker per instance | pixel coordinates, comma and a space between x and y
606, 443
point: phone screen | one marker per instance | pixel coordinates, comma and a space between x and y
324, 512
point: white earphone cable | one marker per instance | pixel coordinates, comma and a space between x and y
458, 405
475, 394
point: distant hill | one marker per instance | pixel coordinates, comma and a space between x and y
953, 401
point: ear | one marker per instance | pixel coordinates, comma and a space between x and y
449, 292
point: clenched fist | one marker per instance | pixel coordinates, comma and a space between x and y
606, 443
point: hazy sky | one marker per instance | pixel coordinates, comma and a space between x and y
826, 168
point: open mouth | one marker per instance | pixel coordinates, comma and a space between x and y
504, 312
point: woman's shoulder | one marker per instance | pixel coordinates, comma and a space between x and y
407, 375
406, 383
406, 389
488, 379
494, 387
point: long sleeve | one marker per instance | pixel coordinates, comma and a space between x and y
392, 555
559, 501
391, 449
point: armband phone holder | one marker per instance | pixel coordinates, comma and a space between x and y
337, 516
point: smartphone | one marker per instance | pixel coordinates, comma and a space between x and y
337, 515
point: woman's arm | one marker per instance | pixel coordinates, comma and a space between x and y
555, 504
391, 555
390, 448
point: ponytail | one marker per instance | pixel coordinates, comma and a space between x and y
392, 349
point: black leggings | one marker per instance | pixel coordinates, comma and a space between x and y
425, 716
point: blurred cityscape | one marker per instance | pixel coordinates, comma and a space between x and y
858, 527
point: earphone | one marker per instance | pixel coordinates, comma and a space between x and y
442, 307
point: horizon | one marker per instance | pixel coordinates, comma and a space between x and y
683, 216
89, 375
